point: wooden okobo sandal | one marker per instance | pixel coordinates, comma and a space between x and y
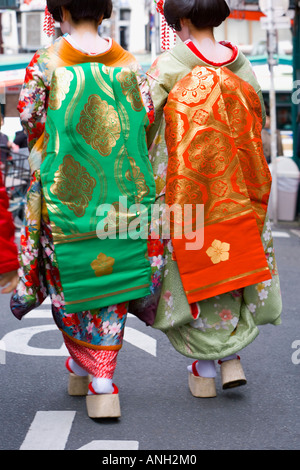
232, 374
202, 387
106, 405
78, 385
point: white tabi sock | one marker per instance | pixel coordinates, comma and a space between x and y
205, 369
229, 358
101, 385
77, 369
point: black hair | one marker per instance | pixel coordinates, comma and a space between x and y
81, 10
201, 13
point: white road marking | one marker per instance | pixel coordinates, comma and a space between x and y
2, 353
111, 445
280, 234
140, 340
296, 232
49, 430
17, 341
39, 313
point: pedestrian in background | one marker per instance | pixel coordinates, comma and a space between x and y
266, 140
21, 140
4, 140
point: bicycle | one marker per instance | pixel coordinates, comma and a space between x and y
16, 173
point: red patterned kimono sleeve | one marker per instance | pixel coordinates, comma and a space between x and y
8, 249
33, 101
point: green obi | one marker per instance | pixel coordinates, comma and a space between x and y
98, 185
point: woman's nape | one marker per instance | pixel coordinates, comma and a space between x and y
84, 33
205, 41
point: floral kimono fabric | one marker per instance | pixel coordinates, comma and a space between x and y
95, 166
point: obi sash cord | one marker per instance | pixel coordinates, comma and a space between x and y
213, 135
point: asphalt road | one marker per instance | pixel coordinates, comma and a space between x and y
158, 411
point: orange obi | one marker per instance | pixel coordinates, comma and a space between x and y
213, 135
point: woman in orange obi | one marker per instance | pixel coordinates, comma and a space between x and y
94, 335
206, 150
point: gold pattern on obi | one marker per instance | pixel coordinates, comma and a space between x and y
174, 128
201, 117
103, 265
184, 191
73, 186
138, 178
60, 87
195, 87
210, 153
218, 251
130, 89
99, 125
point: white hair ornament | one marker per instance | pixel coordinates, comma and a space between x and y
49, 23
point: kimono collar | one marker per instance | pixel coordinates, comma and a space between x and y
183, 54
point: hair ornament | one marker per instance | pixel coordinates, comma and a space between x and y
168, 36
160, 6
49, 23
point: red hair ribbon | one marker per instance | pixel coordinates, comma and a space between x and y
168, 36
159, 6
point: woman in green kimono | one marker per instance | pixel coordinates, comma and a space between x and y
219, 325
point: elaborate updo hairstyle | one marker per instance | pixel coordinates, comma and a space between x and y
201, 13
81, 9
